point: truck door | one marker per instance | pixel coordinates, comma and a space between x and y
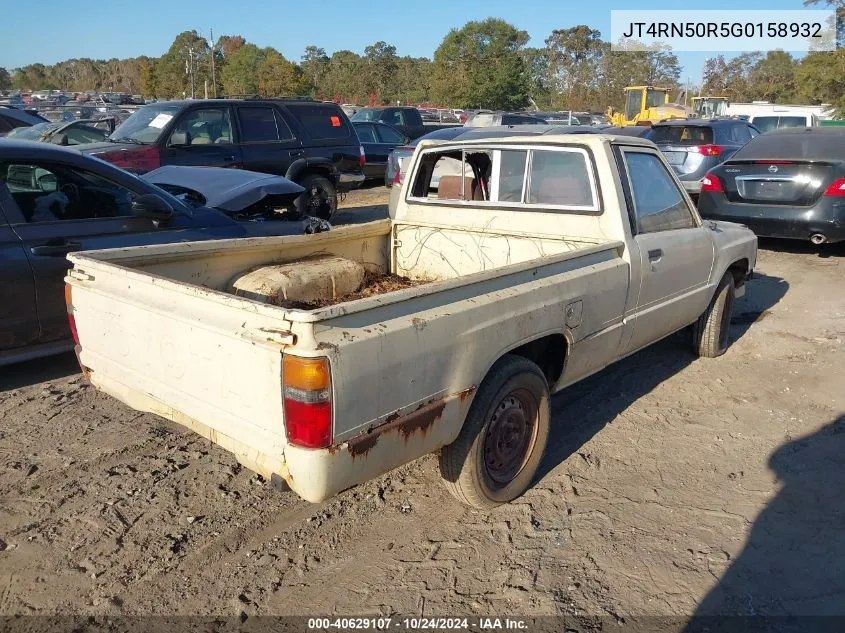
18, 317
675, 252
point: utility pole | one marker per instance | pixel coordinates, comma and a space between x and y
189, 69
213, 50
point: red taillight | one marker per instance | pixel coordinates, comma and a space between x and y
307, 401
706, 150
711, 183
362, 156
70, 318
773, 162
837, 188
397, 177
139, 160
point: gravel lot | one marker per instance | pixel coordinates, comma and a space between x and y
672, 484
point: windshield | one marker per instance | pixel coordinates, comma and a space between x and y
655, 98
366, 114
146, 124
32, 133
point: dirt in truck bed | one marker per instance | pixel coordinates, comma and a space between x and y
375, 283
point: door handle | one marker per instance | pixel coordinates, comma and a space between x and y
296, 152
655, 255
229, 158
54, 250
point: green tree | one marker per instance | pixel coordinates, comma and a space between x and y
314, 64
240, 74
147, 75
537, 64
820, 78
574, 58
172, 76
5, 79
277, 77
381, 70
773, 77
344, 80
480, 65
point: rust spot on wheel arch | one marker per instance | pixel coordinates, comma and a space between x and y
466, 393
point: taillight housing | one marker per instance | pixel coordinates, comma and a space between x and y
836, 188
397, 177
307, 401
711, 183
706, 150
70, 318
362, 156
138, 160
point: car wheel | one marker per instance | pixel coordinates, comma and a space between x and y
712, 332
498, 451
319, 198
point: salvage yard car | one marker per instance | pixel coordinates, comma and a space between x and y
322, 362
54, 201
787, 183
308, 142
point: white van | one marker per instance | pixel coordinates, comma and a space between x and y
773, 120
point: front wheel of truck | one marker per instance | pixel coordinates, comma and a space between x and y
712, 332
497, 454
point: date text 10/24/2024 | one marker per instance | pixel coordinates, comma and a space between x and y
419, 624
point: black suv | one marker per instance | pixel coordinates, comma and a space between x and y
312, 143
695, 146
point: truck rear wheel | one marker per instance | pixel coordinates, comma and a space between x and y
503, 439
319, 198
711, 334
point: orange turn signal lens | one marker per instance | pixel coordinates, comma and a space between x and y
308, 374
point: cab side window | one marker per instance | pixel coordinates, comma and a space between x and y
659, 204
203, 127
47, 192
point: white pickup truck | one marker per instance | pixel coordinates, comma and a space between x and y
557, 257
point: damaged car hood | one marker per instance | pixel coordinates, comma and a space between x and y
231, 190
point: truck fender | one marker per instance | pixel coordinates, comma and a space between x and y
301, 165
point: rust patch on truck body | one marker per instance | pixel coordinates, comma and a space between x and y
419, 421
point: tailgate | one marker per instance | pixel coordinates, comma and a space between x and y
204, 359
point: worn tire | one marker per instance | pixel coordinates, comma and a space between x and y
478, 480
711, 333
319, 198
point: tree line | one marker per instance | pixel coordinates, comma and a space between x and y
485, 64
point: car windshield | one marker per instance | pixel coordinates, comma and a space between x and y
365, 114
32, 133
146, 124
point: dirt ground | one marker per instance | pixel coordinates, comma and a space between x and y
672, 485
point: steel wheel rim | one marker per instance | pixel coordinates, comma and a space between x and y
511, 434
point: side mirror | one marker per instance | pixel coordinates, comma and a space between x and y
60, 139
178, 138
152, 207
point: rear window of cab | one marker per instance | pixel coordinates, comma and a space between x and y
321, 122
681, 134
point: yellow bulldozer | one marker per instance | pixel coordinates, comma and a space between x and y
709, 107
645, 105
